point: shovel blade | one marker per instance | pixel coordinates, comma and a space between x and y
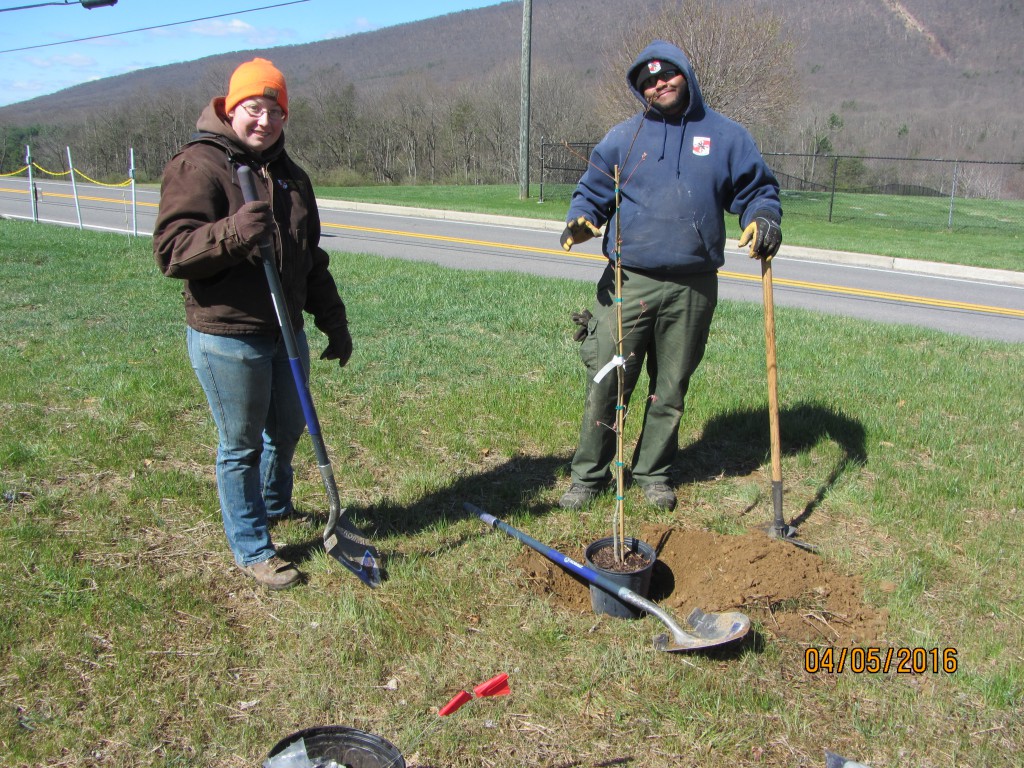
785, 532
707, 630
347, 544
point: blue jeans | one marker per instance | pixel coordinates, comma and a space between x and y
249, 384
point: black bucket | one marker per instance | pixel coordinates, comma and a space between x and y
348, 747
638, 581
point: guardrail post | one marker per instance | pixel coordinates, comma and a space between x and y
31, 186
135, 208
74, 189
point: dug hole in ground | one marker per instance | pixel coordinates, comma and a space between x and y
791, 593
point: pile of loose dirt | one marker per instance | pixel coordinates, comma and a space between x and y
788, 592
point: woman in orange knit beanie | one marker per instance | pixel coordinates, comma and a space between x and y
208, 236
257, 78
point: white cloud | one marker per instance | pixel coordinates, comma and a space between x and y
74, 60
220, 28
258, 37
32, 87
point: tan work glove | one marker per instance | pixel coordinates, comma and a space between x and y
578, 231
764, 234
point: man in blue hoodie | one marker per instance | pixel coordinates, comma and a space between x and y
681, 166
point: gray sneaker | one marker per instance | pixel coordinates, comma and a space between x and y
578, 496
274, 573
660, 495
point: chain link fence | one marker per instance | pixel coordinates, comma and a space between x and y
561, 165
912, 193
899, 192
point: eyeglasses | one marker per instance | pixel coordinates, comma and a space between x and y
258, 110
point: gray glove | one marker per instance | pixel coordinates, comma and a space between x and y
578, 231
764, 234
253, 221
581, 319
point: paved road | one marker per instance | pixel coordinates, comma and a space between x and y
980, 303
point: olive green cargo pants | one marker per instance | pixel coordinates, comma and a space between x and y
665, 321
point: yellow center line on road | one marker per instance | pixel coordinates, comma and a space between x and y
467, 241
867, 294
118, 200
856, 292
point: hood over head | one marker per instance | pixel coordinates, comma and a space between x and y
669, 55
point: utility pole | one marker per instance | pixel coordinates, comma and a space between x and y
524, 104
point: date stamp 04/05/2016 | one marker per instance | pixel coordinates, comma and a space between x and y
876, 660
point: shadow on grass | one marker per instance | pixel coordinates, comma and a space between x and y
732, 444
514, 484
738, 444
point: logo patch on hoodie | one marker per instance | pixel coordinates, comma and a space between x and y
701, 146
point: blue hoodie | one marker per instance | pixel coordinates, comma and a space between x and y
678, 175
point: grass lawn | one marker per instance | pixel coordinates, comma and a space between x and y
128, 638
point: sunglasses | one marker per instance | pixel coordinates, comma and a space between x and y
665, 75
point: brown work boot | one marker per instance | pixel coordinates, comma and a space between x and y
274, 573
577, 496
292, 514
660, 495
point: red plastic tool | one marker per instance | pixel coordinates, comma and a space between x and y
496, 686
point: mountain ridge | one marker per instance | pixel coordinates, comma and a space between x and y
887, 67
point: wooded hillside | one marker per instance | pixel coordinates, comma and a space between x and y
926, 78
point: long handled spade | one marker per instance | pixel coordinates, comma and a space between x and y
707, 629
778, 528
342, 540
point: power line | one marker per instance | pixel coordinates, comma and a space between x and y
157, 26
87, 4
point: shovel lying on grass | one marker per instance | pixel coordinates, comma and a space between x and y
706, 629
342, 540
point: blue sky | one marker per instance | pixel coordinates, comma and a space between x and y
239, 25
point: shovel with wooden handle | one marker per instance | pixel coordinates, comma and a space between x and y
778, 528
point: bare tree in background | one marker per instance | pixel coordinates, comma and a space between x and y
744, 62
323, 121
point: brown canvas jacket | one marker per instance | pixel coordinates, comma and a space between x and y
226, 291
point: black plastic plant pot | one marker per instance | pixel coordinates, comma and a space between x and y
347, 747
638, 580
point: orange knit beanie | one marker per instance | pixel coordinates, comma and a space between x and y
256, 78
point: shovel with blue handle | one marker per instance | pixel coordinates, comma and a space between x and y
705, 630
342, 540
